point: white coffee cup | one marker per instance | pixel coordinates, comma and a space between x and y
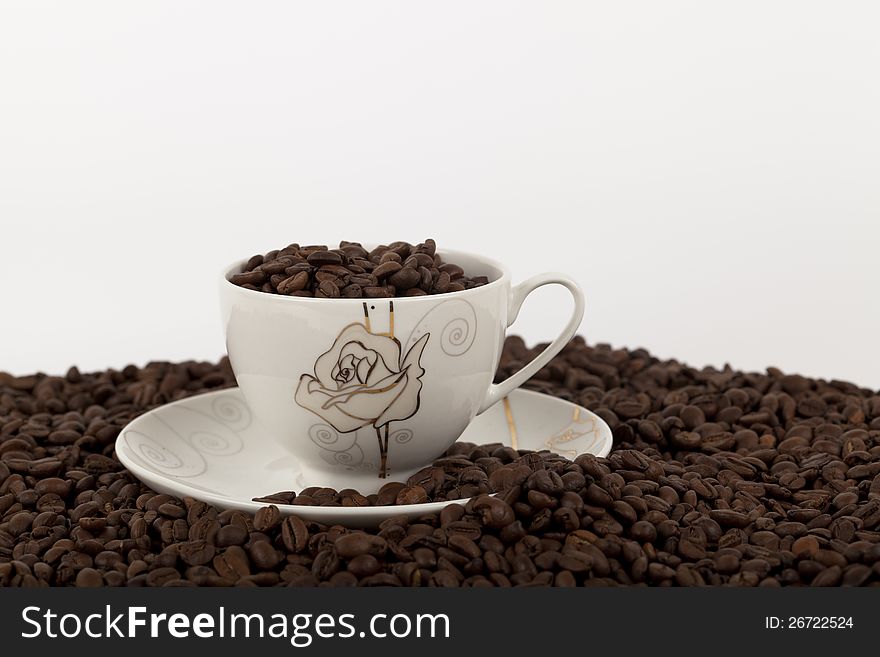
362, 390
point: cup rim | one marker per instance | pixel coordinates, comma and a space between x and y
451, 253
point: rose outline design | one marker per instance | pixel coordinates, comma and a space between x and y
364, 378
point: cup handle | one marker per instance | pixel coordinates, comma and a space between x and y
499, 391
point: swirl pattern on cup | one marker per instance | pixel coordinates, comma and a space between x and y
457, 337
336, 448
350, 458
402, 436
324, 435
458, 333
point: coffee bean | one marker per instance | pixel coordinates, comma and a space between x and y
790, 529
352, 545
196, 553
267, 518
658, 572
232, 563
454, 271
828, 577
89, 578
324, 257
643, 531
494, 512
430, 479
276, 266
729, 518
856, 575
255, 277
464, 545
325, 565
354, 499
170, 510
805, 546
598, 496
441, 283
426, 279
231, 535
376, 292
294, 534
294, 283
727, 563
253, 262
405, 279
264, 555
352, 291
364, 565
411, 495
387, 268
398, 269
769, 493
162, 576
53, 485
388, 493
327, 289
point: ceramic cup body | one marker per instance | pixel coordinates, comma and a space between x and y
362, 391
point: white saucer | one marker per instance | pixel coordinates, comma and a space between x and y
209, 447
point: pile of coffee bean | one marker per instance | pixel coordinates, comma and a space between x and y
398, 269
717, 477
464, 471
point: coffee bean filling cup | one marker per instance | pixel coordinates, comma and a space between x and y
362, 388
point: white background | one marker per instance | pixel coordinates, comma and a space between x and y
709, 171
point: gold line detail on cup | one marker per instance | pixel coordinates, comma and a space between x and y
390, 332
511, 424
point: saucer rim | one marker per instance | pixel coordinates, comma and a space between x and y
180, 489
